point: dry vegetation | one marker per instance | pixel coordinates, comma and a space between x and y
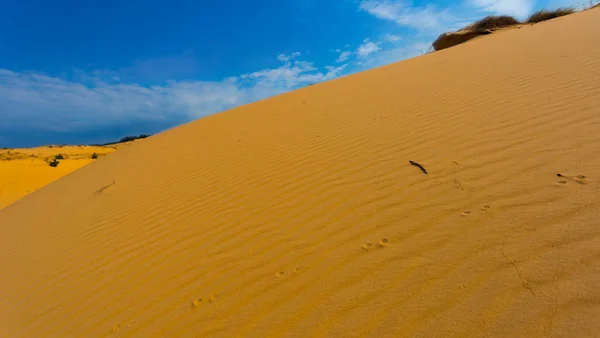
491, 23
544, 15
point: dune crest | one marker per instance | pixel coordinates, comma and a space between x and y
302, 216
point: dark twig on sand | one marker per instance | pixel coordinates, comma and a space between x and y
418, 165
101, 190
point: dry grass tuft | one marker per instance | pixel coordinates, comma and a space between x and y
544, 15
482, 27
492, 22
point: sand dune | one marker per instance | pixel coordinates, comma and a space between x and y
23, 171
301, 216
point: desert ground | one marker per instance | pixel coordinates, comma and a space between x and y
301, 216
23, 171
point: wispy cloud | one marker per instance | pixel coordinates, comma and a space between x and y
292, 74
361, 52
395, 54
426, 17
344, 56
518, 8
367, 48
391, 38
37, 102
286, 58
384, 51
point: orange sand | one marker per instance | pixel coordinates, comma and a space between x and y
300, 216
22, 171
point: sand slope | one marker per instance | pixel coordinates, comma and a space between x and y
300, 216
23, 171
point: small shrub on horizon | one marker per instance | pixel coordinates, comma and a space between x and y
543, 15
59, 157
132, 138
94, 156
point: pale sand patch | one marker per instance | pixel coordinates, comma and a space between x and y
24, 170
301, 216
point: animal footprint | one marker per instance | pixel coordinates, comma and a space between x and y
367, 246
296, 270
383, 242
465, 213
581, 179
280, 274
196, 302
485, 208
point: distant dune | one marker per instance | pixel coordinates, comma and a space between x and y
23, 171
301, 216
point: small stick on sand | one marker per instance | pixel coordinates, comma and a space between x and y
418, 165
99, 191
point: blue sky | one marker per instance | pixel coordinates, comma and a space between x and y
86, 72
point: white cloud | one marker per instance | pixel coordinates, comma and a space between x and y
518, 8
403, 13
363, 51
391, 38
286, 58
33, 101
387, 56
290, 75
367, 48
577, 4
345, 55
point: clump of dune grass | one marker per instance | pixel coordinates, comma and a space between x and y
94, 156
492, 22
544, 15
481, 27
54, 163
